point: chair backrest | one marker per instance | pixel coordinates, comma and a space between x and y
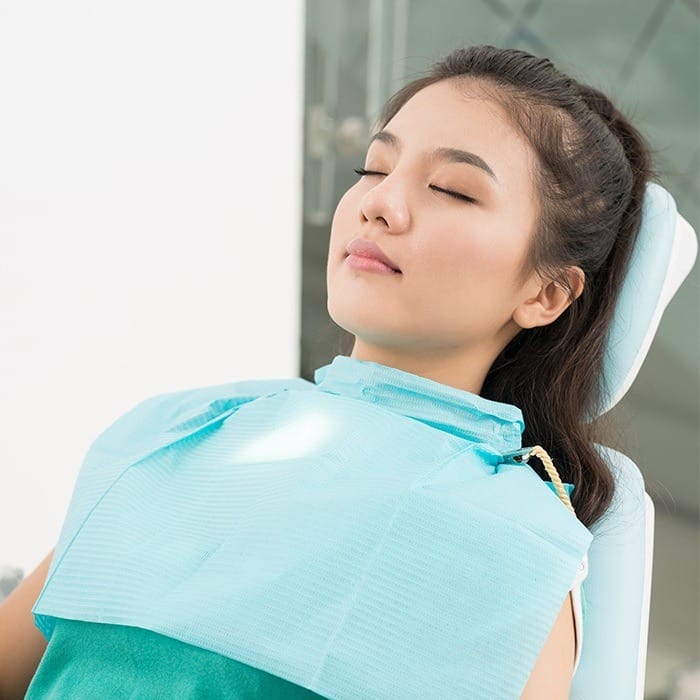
616, 593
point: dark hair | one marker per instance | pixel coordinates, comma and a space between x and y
591, 174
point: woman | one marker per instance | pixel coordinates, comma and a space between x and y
504, 199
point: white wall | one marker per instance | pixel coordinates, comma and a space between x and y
150, 215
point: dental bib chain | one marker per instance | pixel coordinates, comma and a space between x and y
522, 455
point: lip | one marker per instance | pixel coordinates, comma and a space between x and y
369, 249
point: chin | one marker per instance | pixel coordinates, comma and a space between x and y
371, 322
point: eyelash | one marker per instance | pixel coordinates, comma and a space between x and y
456, 195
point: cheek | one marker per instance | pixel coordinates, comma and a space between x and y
464, 271
463, 259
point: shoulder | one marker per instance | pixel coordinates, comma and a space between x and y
148, 426
186, 409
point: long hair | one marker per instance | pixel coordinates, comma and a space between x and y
591, 173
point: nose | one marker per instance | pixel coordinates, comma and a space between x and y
386, 203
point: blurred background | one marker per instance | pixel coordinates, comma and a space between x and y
168, 175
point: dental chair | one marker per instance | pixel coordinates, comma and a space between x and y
617, 590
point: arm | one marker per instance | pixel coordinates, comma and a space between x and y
552, 674
21, 643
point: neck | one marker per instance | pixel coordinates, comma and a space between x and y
461, 368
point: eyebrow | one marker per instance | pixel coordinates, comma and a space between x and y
452, 155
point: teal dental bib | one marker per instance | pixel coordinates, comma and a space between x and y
368, 535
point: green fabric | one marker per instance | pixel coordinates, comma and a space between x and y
92, 660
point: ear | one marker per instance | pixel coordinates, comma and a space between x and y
550, 301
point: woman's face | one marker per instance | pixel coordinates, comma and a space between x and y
456, 293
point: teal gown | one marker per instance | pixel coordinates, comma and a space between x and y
93, 660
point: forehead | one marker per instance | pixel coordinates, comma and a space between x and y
447, 114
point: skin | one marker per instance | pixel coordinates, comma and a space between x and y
458, 302
459, 299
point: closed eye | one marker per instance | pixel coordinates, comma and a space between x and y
463, 197
362, 171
